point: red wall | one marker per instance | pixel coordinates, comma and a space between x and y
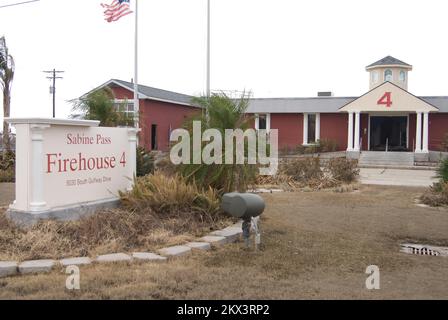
438, 127
334, 126
162, 114
290, 129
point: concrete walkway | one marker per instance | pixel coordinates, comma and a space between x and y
397, 177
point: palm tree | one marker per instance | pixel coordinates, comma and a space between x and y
99, 105
222, 112
6, 76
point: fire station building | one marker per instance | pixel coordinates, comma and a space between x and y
386, 118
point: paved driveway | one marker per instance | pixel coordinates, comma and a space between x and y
397, 177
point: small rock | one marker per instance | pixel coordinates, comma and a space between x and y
175, 251
199, 245
114, 257
36, 266
8, 268
75, 261
148, 256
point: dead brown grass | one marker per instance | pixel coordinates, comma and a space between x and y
316, 245
159, 211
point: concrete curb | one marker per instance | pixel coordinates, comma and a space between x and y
216, 238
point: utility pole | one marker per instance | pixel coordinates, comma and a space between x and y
53, 87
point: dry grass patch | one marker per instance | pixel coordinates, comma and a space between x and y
159, 211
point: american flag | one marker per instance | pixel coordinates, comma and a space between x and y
116, 10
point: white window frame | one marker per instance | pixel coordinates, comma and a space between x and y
305, 129
126, 102
268, 121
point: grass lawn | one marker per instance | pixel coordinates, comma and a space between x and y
315, 245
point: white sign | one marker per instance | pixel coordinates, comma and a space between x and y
66, 163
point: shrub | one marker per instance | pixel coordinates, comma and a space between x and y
444, 144
327, 145
7, 160
342, 169
222, 113
437, 195
168, 196
442, 171
7, 175
145, 162
302, 169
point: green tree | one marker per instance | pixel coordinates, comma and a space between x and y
221, 112
99, 105
7, 67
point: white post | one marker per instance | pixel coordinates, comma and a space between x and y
418, 134
136, 100
208, 49
37, 202
257, 121
350, 132
317, 127
305, 128
425, 132
132, 138
268, 122
357, 125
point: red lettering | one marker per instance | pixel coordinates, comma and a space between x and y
385, 100
49, 163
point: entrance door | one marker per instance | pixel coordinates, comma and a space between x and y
390, 131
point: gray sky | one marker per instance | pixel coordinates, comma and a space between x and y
275, 48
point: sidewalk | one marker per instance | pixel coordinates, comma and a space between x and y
397, 177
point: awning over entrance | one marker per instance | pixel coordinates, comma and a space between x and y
388, 97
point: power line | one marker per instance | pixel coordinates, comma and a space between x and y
53, 87
18, 3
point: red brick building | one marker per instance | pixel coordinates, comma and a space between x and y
386, 118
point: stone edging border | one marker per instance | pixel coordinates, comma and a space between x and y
214, 239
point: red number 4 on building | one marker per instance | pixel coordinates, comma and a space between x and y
386, 100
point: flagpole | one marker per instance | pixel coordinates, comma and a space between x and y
136, 99
208, 49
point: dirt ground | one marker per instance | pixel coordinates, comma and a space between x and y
7, 193
316, 245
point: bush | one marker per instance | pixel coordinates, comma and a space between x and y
302, 170
342, 169
437, 195
223, 113
7, 160
445, 143
327, 145
168, 196
7, 175
145, 162
442, 171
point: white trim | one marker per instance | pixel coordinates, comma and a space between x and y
317, 127
368, 133
140, 95
425, 142
257, 121
418, 134
350, 132
407, 132
305, 129
53, 121
357, 131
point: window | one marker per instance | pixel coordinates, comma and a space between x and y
262, 122
402, 76
374, 76
125, 107
388, 75
311, 128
